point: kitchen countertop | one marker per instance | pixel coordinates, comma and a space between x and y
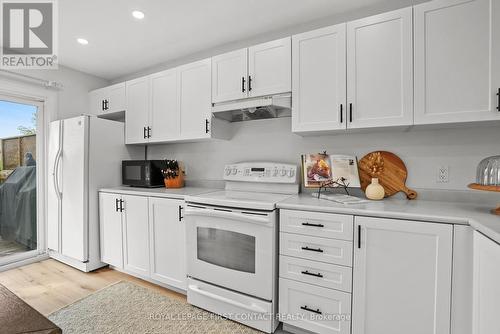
478, 216
178, 193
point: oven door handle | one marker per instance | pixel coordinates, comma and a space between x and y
252, 307
189, 211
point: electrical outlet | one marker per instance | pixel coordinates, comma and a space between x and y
443, 174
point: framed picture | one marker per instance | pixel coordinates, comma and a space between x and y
319, 168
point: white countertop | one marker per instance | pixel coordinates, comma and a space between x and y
178, 193
476, 215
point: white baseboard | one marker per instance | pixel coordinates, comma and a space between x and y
24, 262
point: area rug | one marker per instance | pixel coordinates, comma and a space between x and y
125, 307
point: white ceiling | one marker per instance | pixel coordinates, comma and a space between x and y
120, 45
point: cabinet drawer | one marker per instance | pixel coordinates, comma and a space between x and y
325, 225
314, 308
318, 273
318, 249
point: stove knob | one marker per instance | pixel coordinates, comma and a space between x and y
228, 171
291, 173
283, 172
275, 173
235, 171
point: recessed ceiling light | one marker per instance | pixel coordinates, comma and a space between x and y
138, 14
82, 41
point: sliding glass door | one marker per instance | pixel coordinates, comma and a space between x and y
20, 157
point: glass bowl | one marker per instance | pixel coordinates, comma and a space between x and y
488, 172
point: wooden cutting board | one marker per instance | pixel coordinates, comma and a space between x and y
389, 169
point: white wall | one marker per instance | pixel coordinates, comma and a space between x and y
423, 151
72, 99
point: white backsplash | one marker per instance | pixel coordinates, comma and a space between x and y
422, 150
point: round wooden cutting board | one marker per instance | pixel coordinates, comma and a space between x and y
389, 169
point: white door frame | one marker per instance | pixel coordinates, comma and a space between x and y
46, 102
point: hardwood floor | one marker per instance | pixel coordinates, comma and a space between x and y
49, 285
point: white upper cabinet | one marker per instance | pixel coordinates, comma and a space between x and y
401, 277
195, 99
319, 80
260, 70
229, 76
138, 109
108, 99
457, 61
486, 291
269, 68
164, 117
380, 70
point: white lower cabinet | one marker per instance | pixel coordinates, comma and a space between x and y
401, 277
314, 308
167, 242
486, 290
111, 229
315, 272
144, 236
135, 235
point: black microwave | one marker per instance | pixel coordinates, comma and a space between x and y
142, 173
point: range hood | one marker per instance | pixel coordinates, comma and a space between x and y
254, 108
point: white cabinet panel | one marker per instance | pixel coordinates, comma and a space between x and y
136, 234
138, 108
270, 67
195, 99
319, 224
116, 97
164, 120
380, 70
229, 76
168, 242
110, 219
314, 308
317, 273
319, 80
486, 291
317, 249
401, 269
457, 61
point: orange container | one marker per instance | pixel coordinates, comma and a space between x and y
176, 182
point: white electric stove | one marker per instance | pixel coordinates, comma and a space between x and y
231, 238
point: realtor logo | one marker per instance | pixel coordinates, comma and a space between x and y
28, 34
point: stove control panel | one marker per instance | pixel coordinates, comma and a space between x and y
261, 172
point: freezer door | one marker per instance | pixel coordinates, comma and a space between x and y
74, 187
53, 184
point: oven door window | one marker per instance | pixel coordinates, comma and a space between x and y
226, 249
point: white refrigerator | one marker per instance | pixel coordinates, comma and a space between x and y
84, 155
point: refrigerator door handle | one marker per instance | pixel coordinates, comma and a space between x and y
56, 164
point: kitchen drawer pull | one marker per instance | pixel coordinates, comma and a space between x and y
341, 113
315, 225
498, 94
305, 308
359, 236
350, 112
116, 205
180, 213
149, 132
249, 83
242, 84
121, 205
319, 250
312, 274
207, 129
144, 132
